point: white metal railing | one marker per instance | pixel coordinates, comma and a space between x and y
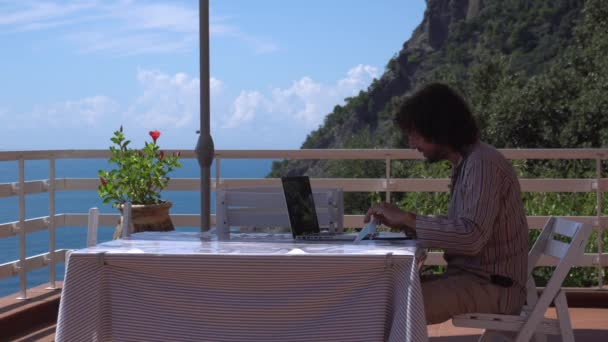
23, 226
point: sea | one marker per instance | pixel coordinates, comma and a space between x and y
37, 205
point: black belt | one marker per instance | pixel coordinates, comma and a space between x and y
501, 280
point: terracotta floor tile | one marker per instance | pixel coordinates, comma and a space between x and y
590, 325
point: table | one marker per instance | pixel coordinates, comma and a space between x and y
255, 287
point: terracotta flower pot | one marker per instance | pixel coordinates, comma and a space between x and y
147, 217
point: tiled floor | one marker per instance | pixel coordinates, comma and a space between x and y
31, 316
590, 325
43, 335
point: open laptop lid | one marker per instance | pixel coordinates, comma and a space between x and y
300, 205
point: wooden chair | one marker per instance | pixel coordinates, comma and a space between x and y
265, 207
531, 321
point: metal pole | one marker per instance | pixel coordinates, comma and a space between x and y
204, 147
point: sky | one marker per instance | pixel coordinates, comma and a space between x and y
73, 72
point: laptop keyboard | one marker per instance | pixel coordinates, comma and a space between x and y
324, 236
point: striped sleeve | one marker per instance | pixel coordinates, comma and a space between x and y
478, 206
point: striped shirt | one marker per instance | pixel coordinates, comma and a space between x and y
485, 231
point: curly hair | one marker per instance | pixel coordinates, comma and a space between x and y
440, 115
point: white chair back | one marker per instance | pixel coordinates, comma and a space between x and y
565, 253
265, 207
564, 241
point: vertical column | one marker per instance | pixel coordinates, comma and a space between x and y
340, 209
388, 179
22, 254
52, 276
600, 230
126, 221
217, 187
92, 226
217, 175
204, 147
222, 223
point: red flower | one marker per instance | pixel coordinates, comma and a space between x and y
161, 155
103, 181
154, 134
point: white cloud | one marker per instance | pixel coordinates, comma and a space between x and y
22, 13
260, 45
276, 118
305, 100
92, 109
302, 100
216, 86
167, 100
87, 112
166, 17
124, 27
357, 78
129, 44
245, 106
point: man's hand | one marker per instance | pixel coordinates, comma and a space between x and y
391, 216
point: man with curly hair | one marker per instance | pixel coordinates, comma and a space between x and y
484, 235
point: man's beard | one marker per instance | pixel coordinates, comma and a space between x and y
436, 155
433, 159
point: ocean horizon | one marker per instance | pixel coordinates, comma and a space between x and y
37, 205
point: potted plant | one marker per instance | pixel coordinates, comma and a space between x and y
139, 177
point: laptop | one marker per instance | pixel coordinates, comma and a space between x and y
303, 216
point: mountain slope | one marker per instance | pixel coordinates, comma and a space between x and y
529, 69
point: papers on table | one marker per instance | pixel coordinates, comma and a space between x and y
368, 230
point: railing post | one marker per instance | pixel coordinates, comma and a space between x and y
217, 176
92, 225
22, 246
387, 162
600, 230
126, 221
217, 187
222, 228
52, 241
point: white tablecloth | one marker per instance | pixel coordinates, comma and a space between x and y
179, 287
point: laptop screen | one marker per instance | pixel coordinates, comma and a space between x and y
300, 205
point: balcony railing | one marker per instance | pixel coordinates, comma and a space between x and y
21, 188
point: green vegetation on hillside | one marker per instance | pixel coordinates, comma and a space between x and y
536, 75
